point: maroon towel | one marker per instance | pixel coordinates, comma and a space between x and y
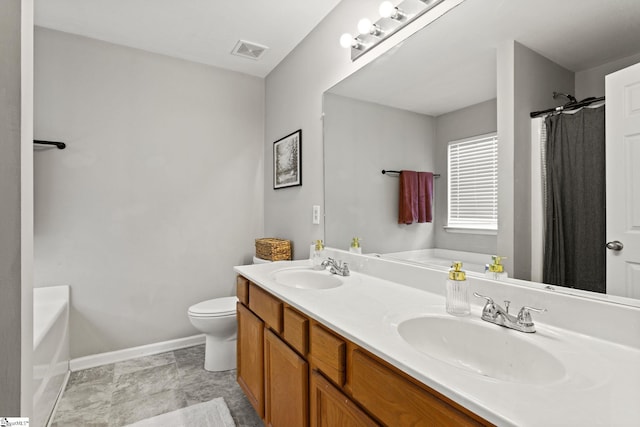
416, 197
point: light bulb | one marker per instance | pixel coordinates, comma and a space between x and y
346, 40
386, 9
364, 26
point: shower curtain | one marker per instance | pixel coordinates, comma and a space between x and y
575, 222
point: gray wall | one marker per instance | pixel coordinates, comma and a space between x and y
158, 194
591, 82
294, 92
361, 139
10, 225
526, 81
26, 189
293, 100
471, 121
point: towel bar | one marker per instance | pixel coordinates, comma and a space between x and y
384, 172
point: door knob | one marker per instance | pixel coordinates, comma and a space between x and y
615, 245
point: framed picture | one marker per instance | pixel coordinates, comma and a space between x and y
287, 161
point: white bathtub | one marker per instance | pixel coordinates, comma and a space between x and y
50, 349
471, 261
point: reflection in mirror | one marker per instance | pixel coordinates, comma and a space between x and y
441, 85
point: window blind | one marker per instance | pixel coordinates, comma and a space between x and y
473, 183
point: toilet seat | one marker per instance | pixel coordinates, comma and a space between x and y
218, 307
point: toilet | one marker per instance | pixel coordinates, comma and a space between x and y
216, 318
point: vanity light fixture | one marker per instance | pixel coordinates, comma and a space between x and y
365, 26
392, 18
348, 41
388, 10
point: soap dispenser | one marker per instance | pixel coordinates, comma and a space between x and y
495, 270
318, 254
457, 291
355, 246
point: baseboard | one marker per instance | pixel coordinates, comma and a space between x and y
55, 405
133, 352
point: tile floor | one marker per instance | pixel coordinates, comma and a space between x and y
122, 393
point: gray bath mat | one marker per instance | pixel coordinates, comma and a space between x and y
213, 413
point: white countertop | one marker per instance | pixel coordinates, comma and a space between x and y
601, 386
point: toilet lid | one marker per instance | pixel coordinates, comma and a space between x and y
214, 307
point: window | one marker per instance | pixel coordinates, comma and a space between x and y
473, 183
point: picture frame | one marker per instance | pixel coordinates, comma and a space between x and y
287, 161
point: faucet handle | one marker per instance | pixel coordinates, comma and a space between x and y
327, 262
524, 316
489, 310
489, 299
345, 269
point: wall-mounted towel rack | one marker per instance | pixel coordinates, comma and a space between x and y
396, 173
60, 145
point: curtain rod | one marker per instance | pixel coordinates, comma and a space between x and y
570, 106
384, 172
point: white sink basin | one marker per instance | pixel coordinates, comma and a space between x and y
483, 349
306, 278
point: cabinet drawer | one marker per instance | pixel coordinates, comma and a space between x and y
395, 400
266, 306
242, 290
296, 330
328, 353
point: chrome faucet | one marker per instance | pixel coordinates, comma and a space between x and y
337, 267
493, 313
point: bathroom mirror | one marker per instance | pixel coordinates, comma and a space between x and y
440, 85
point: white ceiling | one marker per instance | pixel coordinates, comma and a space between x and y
451, 63
203, 31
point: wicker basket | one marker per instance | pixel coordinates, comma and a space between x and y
273, 249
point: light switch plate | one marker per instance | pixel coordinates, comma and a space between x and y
316, 214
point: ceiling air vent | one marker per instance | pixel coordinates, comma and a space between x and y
249, 50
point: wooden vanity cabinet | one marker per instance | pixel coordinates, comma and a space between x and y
250, 357
273, 376
328, 353
395, 399
297, 372
286, 384
331, 408
267, 307
242, 290
296, 330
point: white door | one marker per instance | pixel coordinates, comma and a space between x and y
623, 182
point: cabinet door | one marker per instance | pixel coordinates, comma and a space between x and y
250, 357
331, 408
286, 384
